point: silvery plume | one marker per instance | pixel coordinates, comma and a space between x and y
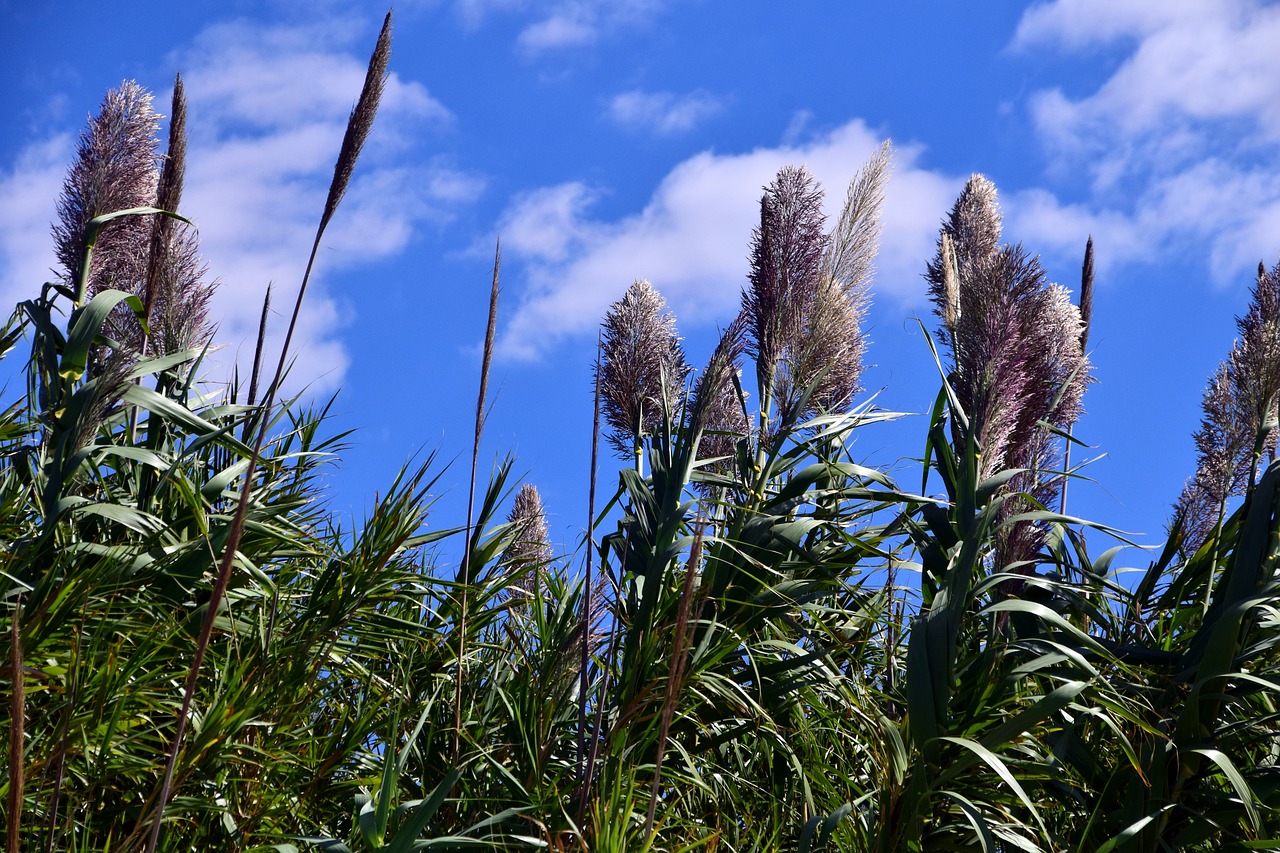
152, 257
834, 341
642, 366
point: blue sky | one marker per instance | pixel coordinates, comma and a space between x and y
608, 141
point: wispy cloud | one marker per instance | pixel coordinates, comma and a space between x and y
268, 106
559, 24
690, 239
662, 113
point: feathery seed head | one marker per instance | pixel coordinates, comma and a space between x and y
786, 256
115, 169
808, 291
1240, 413
1255, 363
973, 230
717, 409
1016, 342
1223, 441
530, 550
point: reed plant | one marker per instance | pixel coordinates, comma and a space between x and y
760, 643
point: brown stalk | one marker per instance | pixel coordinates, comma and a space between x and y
358, 126
486, 361
675, 672
17, 718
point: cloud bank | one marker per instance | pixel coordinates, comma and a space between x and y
1177, 144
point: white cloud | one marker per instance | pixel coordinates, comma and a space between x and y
1177, 141
1079, 23
267, 112
545, 223
691, 238
557, 31
662, 113
1193, 69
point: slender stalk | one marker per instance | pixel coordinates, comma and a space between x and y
17, 718
584, 626
489, 335
358, 126
257, 351
257, 357
585, 775
891, 634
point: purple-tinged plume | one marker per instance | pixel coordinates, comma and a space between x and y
1015, 341
787, 252
115, 169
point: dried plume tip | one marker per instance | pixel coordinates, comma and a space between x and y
1086, 293
360, 122
642, 367
970, 238
176, 298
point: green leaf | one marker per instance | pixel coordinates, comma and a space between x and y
1001, 769
408, 832
86, 325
